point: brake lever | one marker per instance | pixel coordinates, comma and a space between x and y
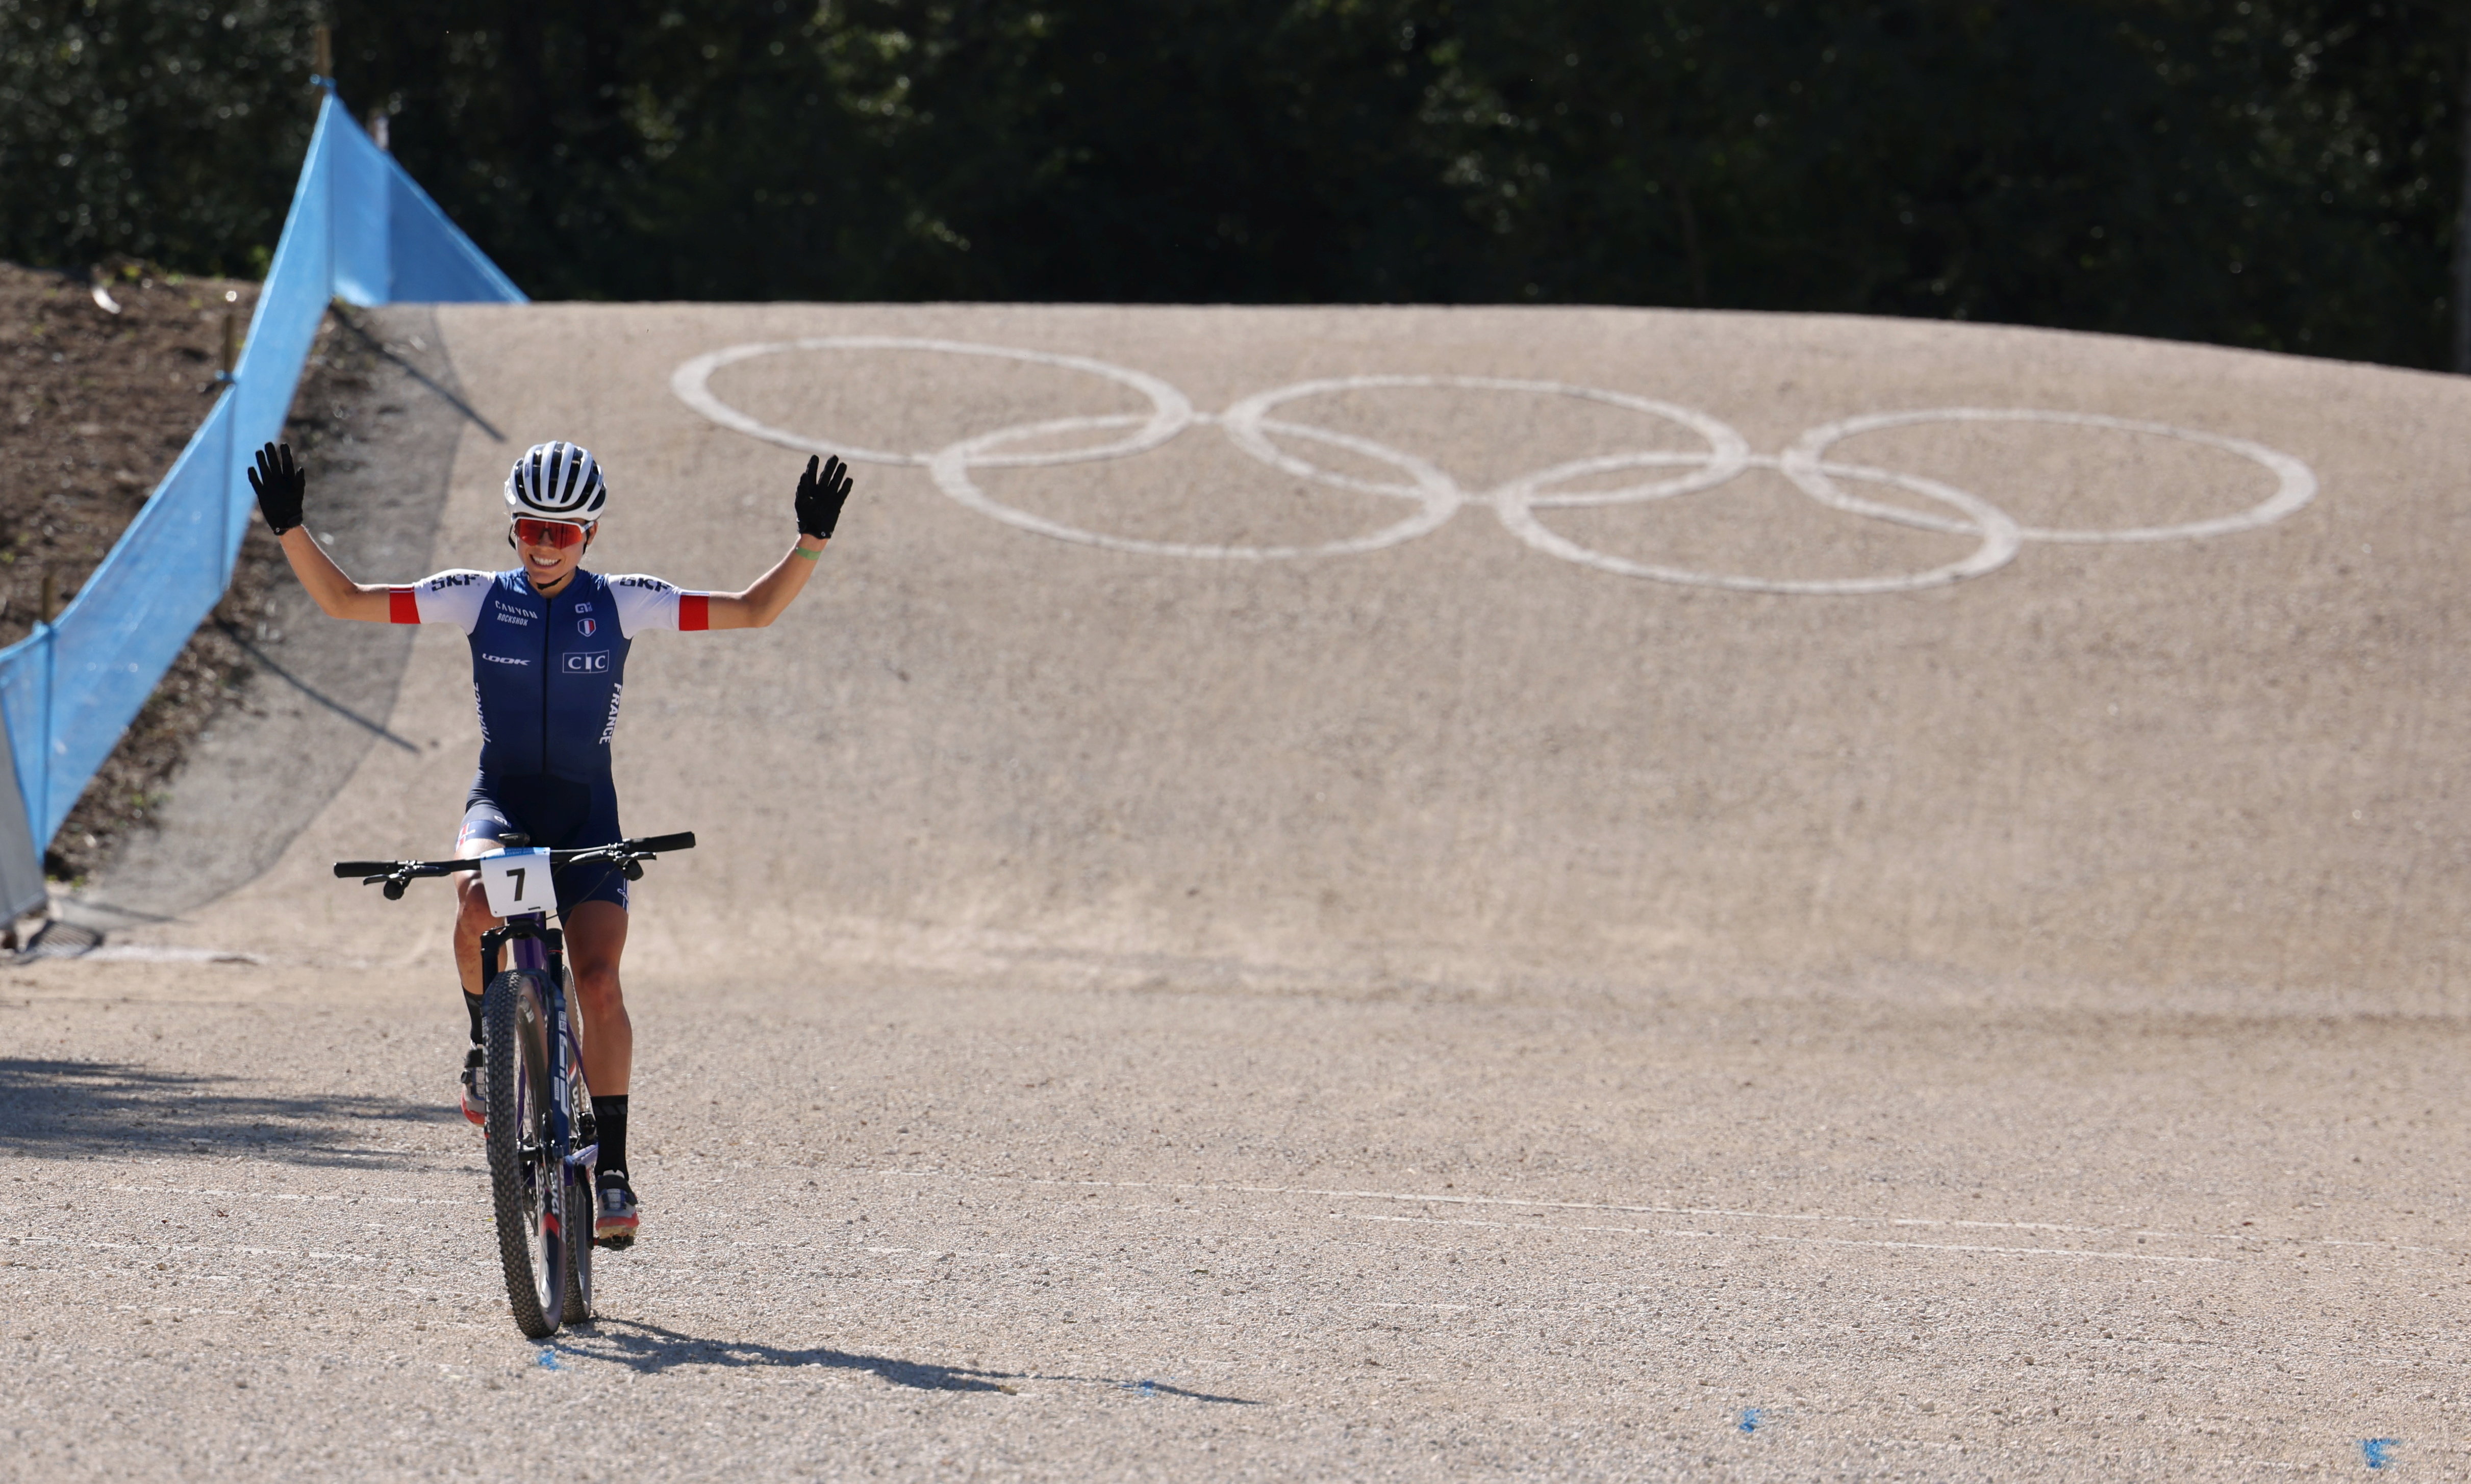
630, 863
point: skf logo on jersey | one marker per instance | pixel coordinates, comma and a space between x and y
445, 580
586, 627
591, 664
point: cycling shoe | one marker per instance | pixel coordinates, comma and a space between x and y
614, 1223
476, 1091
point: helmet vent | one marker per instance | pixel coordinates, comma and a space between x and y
558, 481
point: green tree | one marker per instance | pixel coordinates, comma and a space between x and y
2206, 172
2281, 173
161, 131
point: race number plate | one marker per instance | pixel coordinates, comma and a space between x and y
518, 882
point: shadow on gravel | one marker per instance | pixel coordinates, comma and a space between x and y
59, 1107
650, 1348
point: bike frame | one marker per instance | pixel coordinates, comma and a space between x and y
542, 949
562, 1174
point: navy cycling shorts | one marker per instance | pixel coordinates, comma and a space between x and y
557, 813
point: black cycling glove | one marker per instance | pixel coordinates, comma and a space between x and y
820, 496
280, 483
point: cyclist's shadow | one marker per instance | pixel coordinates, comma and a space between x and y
650, 1348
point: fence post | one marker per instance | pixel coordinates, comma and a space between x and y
325, 189
50, 635
228, 549
22, 885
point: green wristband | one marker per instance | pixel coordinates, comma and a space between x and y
815, 555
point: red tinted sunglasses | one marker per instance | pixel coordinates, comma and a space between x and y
560, 534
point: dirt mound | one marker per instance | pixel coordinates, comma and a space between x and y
1477, 647
101, 393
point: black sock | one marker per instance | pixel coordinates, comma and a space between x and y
471, 1007
609, 1116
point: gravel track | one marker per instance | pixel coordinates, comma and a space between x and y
982, 1231
1436, 1012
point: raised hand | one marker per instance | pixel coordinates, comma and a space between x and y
819, 498
281, 484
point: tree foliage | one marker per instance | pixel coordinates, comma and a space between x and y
159, 132
2282, 173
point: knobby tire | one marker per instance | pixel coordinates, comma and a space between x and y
517, 1052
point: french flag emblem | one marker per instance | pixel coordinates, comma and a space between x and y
585, 627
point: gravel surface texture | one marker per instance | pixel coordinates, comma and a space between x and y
977, 1231
1437, 1008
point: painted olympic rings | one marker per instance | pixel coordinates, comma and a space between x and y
2294, 482
1434, 496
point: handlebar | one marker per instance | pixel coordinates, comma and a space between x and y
627, 855
382, 867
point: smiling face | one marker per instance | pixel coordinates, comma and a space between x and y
548, 565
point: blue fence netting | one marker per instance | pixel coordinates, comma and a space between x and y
360, 230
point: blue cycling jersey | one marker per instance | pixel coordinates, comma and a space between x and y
548, 672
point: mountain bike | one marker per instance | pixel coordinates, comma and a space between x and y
540, 1133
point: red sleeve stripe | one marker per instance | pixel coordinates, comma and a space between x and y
401, 605
695, 610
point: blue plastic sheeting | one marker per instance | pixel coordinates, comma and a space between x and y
360, 230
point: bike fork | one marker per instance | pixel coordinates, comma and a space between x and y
541, 949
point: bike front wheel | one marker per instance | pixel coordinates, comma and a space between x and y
526, 1183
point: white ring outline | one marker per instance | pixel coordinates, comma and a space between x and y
2294, 482
949, 469
1728, 453
2001, 537
1515, 502
1171, 411
1727, 457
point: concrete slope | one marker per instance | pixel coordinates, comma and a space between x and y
1310, 686
320, 691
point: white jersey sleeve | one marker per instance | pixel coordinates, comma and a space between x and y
455, 596
647, 603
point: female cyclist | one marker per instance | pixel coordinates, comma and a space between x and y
549, 661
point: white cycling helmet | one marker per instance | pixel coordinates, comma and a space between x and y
557, 482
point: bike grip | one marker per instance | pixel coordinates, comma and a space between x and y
677, 842
362, 868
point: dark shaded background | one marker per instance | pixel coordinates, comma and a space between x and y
2279, 174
